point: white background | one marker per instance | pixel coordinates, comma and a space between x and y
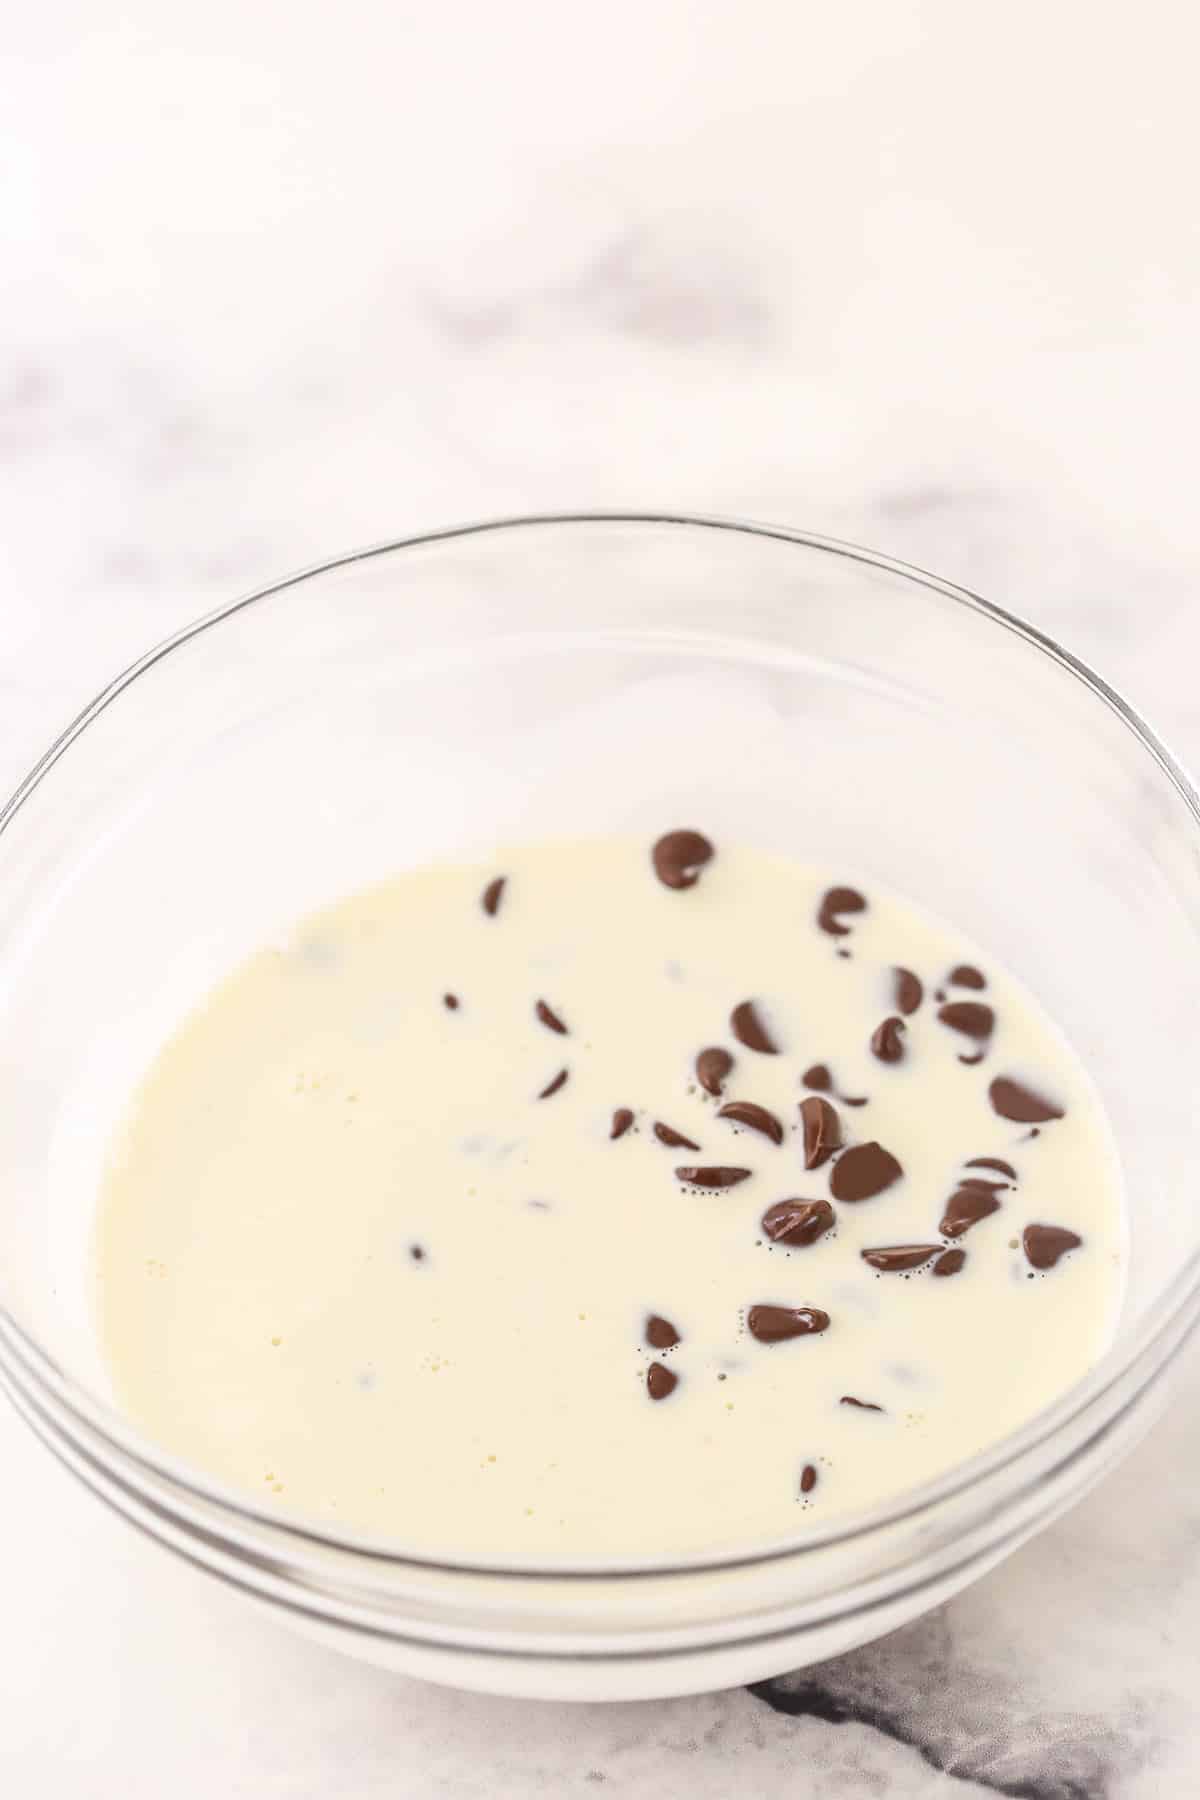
279, 279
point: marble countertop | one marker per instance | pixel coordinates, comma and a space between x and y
921, 275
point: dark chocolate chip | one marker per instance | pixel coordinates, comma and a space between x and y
908, 990
892, 1259
887, 1040
622, 1119
966, 976
660, 1333
863, 1172
552, 1087
821, 1128
992, 1162
450, 1002
1021, 1104
660, 1381
808, 1478
949, 1262
1044, 1244
711, 1175
863, 1405
774, 1324
835, 902
797, 1221
674, 1140
549, 1018
971, 1017
965, 1207
712, 1066
679, 857
492, 894
749, 1029
818, 1078
416, 1252
746, 1112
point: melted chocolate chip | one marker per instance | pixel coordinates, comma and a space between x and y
746, 1112
864, 1405
797, 1221
966, 976
818, 1078
892, 1259
774, 1324
908, 990
949, 1262
549, 1018
1044, 1244
552, 1087
660, 1381
450, 1002
971, 1017
808, 1478
712, 1066
679, 857
992, 1162
492, 894
822, 1130
749, 1029
887, 1040
1021, 1104
660, 1333
674, 1140
834, 903
622, 1119
965, 1207
711, 1175
863, 1172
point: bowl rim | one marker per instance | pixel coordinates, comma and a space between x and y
29, 1367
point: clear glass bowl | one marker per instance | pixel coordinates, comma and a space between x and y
592, 673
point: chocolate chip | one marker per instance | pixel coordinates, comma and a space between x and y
908, 990
491, 895
674, 1140
822, 1130
835, 902
818, 1078
892, 1259
949, 1262
863, 1172
1044, 1244
965, 1207
712, 1066
887, 1040
1021, 1104
622, 1119
774, 1324
864, 1405
797, 1221
808, 1478
660, 1333
711, 1175
416, 1252
549, 1018
992, 1162
552, 1087
450, 1002
746, 1112
971, 1017
749, 1029
679, 857
660, 1381
966, 976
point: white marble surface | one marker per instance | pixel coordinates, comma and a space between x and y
922, 274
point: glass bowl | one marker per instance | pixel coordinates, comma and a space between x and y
592, 674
